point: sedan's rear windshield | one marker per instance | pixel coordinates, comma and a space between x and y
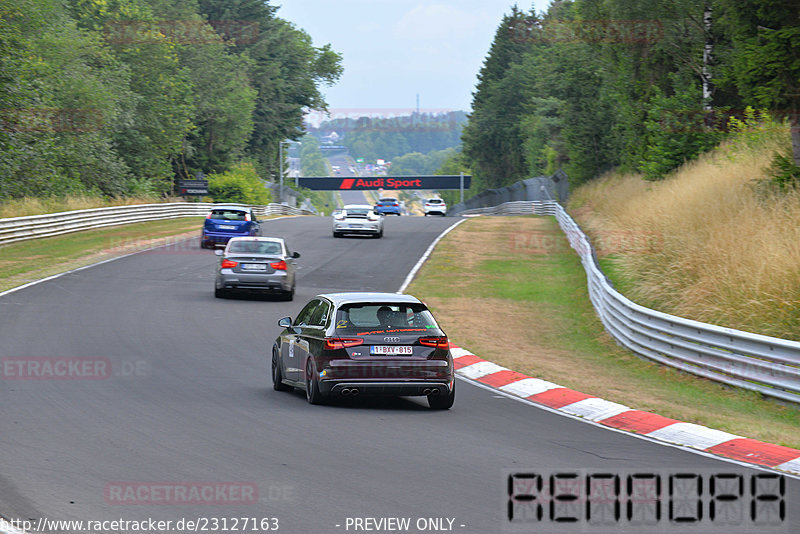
387, 201
229, 215
354, 318
435, 201
255, 247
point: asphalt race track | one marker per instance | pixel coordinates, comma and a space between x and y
188, 402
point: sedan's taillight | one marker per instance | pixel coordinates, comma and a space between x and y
336, 343
439, 342
278, 265
229, 264
209, 215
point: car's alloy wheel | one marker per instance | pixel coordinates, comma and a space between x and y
277, 374
438, 402
313, 394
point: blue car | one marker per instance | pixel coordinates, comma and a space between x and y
225, 222
388, 206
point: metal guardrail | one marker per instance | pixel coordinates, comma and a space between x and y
765, 364
35, 226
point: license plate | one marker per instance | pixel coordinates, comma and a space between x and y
254, 267
226, 227
392, 349
356, 225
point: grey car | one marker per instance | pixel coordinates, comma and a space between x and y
256, 264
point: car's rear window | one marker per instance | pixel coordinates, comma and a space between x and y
228, 215
353, 318
435, 201
387, 200
255, 247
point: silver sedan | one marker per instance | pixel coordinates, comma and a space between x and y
357, 219
256, 264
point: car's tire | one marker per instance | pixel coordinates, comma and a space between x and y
288, 296
437, 402
337, 234
379, 235
426, 214
203, 244
313, 394
220, 293
277, 374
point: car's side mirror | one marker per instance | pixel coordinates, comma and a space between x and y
218, 252
286, 322
295, 254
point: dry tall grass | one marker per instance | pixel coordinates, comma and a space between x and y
37, 206
718, 250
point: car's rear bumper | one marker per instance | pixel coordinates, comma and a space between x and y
396, 377
364, 229
277, 282
406, 388
220, 238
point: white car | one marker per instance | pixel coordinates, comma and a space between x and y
435, 206
357, 219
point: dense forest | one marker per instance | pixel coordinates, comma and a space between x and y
387, 138
634, 85
123, 97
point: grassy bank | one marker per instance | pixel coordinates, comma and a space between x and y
708, 243
511, 290
25, 261
24, 207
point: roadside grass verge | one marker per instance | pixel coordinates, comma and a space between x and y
709, 242
26, 261
512, 291
24, 207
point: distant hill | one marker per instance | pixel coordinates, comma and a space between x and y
372, 138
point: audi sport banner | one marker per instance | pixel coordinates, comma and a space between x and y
336, 183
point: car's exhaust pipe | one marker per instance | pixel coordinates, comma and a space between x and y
354, 392
434, 392
427, 391
345, 392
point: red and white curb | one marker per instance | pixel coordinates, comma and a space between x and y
621, 417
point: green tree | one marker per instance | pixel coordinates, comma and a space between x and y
764, 64
241, 184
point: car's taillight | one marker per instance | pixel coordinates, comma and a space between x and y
209, 215
439, 342
229, 264
278, 265
336, 343
247, 217
396, 205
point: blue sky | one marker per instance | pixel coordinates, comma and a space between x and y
395, 49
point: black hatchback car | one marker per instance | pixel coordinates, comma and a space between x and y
348, 344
